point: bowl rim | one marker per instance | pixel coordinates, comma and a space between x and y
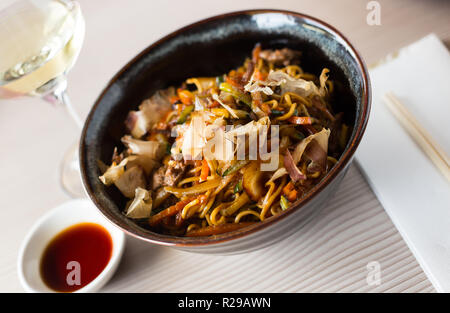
345, 158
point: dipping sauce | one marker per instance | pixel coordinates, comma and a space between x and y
76, 256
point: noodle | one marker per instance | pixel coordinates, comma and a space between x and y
184, 212
192, 227
206, 208
269, 202
289, 113
244, 213
275, 209
214, 213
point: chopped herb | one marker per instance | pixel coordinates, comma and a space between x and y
277, 113
238, 95
220, 79
235, 167
185, 113
238, 187
284, 203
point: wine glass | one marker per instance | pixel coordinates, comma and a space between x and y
41, 40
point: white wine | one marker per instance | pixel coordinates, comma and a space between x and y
40, 43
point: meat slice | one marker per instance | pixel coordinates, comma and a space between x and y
248, 73
175, 170
158, 177
168, 175
283, 56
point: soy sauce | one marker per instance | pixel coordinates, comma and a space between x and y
75, 257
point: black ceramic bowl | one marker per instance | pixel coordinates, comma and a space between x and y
211, 47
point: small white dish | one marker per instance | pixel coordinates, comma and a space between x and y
52, 223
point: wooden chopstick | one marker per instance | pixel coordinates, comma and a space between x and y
419, 134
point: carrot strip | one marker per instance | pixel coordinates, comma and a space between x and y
186, 97
260, 75
174, 99
292, 195
288, 188
266, 108
217, 229
205, 171
300, 120
290, 192
170, 211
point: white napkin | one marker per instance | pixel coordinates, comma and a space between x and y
413, 192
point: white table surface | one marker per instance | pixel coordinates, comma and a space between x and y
333, 251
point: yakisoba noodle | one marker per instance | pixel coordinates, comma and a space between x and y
172, 192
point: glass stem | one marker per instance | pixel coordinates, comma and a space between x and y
65, 100
58, 95
70, 170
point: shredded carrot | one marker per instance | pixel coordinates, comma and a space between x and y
292, 195
290, 192
300, 120
266, 108
214, 104
234, 78
288, 188
174, 99
170, 211
205, 170
260, 75
186, 97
